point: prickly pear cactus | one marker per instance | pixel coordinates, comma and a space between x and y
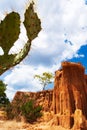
9, 33
32, 23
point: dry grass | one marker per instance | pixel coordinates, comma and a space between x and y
10, 125
50, 128
14, 125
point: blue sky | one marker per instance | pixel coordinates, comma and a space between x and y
83, 51
63, 37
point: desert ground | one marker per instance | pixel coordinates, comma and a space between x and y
15, 125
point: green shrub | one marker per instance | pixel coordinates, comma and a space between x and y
31, 112
13, 111
9, 113
3, 97
28, 110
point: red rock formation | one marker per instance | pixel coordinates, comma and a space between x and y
79, 121
43, 98
68, 100
86, 84
70, 92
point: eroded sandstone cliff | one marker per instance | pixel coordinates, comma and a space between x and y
43, 98
68, 99
70, 93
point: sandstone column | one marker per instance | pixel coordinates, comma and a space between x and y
70, 91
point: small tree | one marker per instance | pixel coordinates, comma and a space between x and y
3, 98
45, 79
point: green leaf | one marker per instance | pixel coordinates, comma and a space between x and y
45, 78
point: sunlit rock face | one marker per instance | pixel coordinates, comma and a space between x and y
70, 93
42, 98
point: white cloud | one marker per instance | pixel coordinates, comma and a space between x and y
61, 20
1, 51
22, 78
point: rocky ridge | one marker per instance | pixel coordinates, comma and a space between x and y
68, 99
42, 98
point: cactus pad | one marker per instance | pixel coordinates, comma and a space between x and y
32, 23
9, 33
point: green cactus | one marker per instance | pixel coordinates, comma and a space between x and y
9, 33
32, 23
